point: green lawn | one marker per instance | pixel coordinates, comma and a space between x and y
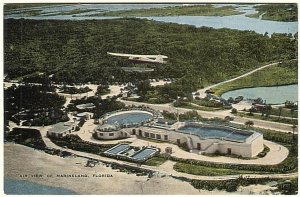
284, 112
282, 74
155, 161
208, 171
269, 118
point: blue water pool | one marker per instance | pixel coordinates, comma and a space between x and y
208, 133
144, 154
115, 150
129, 118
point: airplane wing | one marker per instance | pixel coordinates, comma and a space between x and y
132, 55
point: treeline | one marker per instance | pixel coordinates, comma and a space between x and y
74, 142
75, 51
102, 106
17, 98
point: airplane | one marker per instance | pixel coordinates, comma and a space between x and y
156, 59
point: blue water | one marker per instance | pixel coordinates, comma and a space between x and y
144, 154
272, 95
239, 22
129, 118
17, 187
118, 149
207, 133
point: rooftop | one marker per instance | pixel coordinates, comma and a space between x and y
61, 127
86, 106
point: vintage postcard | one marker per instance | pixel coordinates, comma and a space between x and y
150, 98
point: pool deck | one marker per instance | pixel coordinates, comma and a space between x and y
276, 154
127, 112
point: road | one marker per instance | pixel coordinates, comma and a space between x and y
115, 90
286, 128
202, 93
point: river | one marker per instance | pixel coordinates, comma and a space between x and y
239, 22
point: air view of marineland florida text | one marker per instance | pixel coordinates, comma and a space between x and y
150, 99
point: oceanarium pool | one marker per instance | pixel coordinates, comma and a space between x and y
216, 133
125, 118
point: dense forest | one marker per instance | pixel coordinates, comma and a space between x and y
76, 51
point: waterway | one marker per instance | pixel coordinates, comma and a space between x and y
272, 95
239, 22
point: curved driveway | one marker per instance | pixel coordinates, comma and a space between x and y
276, 154
166, 168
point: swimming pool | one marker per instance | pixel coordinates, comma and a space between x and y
134, 117
127, 152
216, 133
144, 154
116, 149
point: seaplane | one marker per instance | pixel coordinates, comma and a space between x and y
154, 59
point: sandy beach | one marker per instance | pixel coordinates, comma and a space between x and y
24, 163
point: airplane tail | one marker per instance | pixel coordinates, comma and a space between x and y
160, 58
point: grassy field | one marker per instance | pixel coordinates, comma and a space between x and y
269, 118
155, 161
283, 74
197, 10
208, 171
276, 12
284, 112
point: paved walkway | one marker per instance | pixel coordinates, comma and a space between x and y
166, 168
276, 154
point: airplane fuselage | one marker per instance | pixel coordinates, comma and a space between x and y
155, 59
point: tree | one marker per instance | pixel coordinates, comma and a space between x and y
268, 109
234, 111
249, 123
266, 33
280, 111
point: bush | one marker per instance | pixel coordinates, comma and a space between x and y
234, 111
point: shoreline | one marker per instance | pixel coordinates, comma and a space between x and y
248, 87
37, 167
23, 163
